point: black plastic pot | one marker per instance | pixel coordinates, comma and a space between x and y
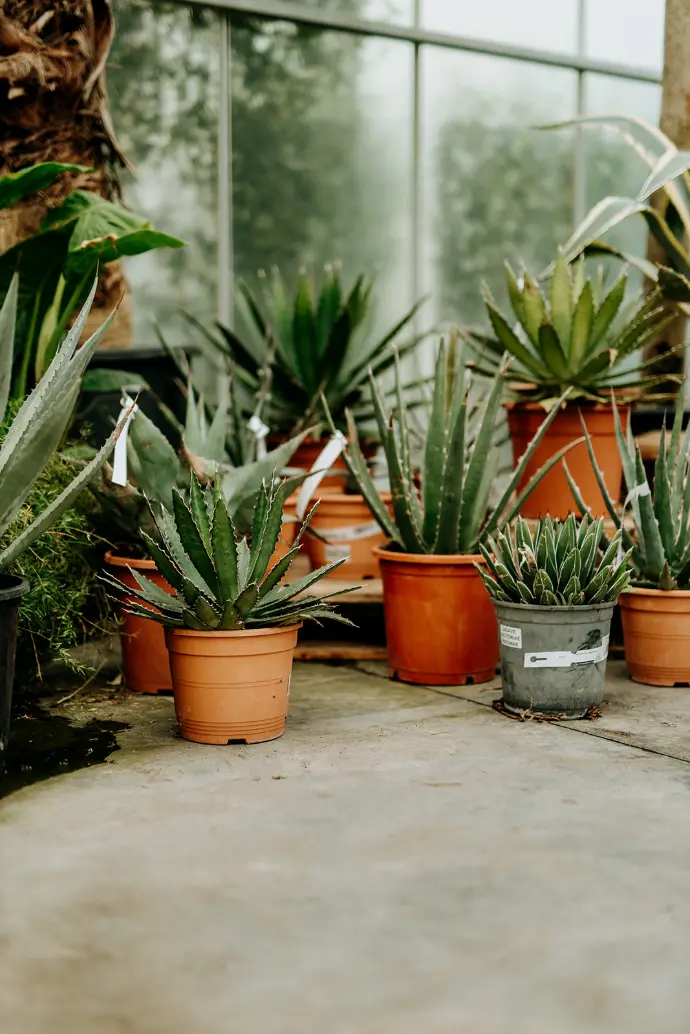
12, 589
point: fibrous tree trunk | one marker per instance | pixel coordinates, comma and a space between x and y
54, 107
675, 123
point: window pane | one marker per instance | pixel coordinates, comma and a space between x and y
540, 24
322, 154
163, 85
612, 166
494, 189
629, 32
400, 11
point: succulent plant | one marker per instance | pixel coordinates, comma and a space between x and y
660, 542
560, 565
578, 337
451, 512
318, 342
36, 429
222, 583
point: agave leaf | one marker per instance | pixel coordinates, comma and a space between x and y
606, 312
581, 326
572, 588
552, 353
561, 310
224, 550
525, 593
515, 294
247, 599
271, 532
473, 516
199, 510
511, 343
535, 308
243, 561
452, 494
8, 319
192, 541
662, 499
164, 562
653, 544
154, 594
357, 465
566, 540
160, 619
172, 544
473, 500
282, 594
259, 521
437, 445
570, 568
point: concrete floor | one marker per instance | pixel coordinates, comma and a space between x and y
402, 861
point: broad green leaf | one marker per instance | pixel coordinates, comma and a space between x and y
17, 185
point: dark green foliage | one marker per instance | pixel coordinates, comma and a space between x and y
223, 583
560, 565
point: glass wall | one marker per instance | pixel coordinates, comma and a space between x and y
394, 136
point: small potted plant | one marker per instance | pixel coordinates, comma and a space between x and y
230, 626
154, 469
583, 337
440, 625
30, 436
655, 609
554, 595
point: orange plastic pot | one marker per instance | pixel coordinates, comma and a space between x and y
231, 685
144, 653
656, 630
440, 623
552, 494
350, 532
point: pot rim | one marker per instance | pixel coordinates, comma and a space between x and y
16, 590
120, 560
534, 608
432, 559
591, 407
674, 594
242, 633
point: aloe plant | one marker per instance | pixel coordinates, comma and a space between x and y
318, 342
36, 429
223, 583
559, 565
579, 335
451, 513
660, 540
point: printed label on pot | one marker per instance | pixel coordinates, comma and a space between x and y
565, 658
350, 534
337, 552
511, 636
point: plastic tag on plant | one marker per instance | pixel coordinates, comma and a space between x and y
259, 429
119, 476
323, 462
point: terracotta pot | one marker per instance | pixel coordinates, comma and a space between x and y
231, 685
351, 532
144, 654
308, 452
440, 622
656, 630
552, 494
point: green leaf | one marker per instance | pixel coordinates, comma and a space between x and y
17, 185
199, 510
224, 549
164, 562
243, 561
472, 501
662, 499
535, 309
8, 320
607, 311
247, 599
192, 541
511, 343
561, 311
581, 326
436, 452
552, 353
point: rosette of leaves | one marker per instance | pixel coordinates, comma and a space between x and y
560, 565
659, 543
576, 334
222, 582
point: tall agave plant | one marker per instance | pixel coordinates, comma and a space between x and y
451, 512
660, 544
38, 425
222, 582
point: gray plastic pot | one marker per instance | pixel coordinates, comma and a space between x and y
553, 659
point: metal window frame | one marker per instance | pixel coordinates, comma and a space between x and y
419, 37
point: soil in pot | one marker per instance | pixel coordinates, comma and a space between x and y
345, 529
144, 653
552, 494
553, 659
231, 686
440, 622
656, 630
12, 589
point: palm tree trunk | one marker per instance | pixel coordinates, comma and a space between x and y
54, 107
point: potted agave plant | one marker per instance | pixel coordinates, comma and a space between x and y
583, 337
655, 609
30, 436
440, 626
230, 626
554, 595
154, 469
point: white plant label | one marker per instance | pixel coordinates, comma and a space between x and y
352, 534
566, 658
337, 552
511, 636
259, 429
326, 458
119, 476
